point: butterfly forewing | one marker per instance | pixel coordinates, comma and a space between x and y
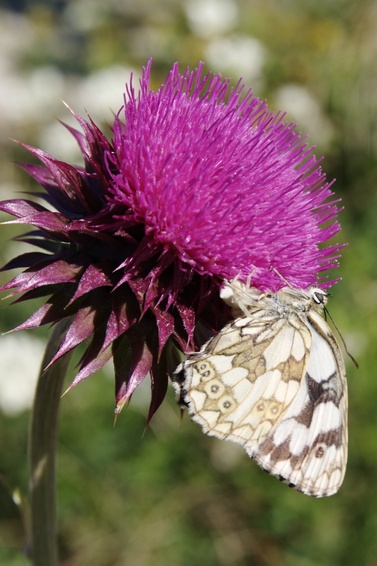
274, 382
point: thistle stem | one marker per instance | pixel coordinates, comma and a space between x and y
42, 451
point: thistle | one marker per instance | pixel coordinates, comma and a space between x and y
199, 183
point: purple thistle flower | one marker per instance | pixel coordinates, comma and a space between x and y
200, 183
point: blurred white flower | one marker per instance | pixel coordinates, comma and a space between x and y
239, 54
84, 15
20, 359
303, 108
208, 17
17, 34
100, 94
28, 98
58, 140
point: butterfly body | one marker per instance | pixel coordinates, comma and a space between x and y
273, 380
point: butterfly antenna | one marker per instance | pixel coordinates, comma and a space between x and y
327, 313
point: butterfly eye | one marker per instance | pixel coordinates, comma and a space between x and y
319, 296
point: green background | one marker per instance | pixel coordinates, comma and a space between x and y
170, 495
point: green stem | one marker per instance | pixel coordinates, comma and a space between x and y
41, 452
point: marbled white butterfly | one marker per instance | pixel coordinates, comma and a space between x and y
274, 381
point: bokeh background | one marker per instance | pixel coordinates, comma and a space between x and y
170, 495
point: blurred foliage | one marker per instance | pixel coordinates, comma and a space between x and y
170, 495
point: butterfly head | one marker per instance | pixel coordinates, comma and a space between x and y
318, 296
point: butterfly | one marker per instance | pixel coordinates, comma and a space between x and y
274, 381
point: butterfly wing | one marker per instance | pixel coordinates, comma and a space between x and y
243, 381
308, 447
261, 383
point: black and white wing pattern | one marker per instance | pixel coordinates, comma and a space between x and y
274, 381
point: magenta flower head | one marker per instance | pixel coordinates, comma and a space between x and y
199, 183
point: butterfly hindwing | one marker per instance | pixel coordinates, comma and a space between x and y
274, 382
309, 447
